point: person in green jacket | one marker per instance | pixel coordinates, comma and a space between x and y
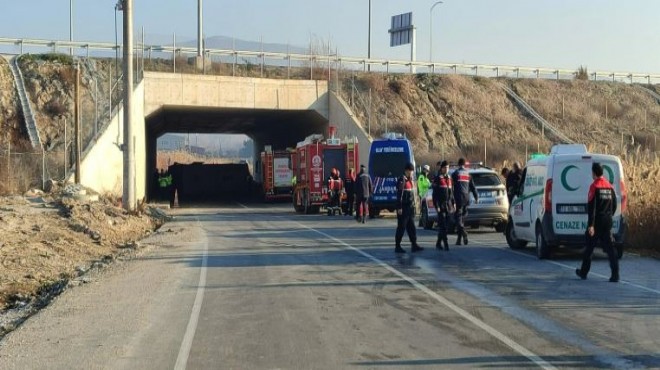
423, 186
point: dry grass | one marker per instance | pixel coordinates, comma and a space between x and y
603, 113
165, 159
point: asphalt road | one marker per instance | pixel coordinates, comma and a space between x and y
260, 287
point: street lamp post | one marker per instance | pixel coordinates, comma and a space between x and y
71, 25
431, 34
369, 38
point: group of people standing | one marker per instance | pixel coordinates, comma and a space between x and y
358, 188
451, 196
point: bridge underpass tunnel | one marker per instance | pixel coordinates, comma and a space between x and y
200, 183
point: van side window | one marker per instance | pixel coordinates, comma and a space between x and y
521, 188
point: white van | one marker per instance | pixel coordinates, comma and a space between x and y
550, 207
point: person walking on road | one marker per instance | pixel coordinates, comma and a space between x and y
601, 206
405, 211
443, 201
423, 186
364, 188
349, 186
463, 186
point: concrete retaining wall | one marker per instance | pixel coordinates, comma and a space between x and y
347, 124
102, 168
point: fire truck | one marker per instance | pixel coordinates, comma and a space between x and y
313, 161
276, 173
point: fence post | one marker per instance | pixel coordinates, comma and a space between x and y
65, 150
9, 164
369, 120
43, 168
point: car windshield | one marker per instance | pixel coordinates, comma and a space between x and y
485, 179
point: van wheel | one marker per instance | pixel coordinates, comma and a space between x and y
542, 248
511, 239
501, 227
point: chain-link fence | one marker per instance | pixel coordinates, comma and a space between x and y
24, 170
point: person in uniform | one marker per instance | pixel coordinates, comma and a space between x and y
405, 211
349, 186
601, 206
463, 186
443, 201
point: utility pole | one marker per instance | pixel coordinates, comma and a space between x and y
369, 39
200, 46
71, 25
431, 33
128, 198
77, 127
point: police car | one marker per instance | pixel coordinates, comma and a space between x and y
491, 209
550, 207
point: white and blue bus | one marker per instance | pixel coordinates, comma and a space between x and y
387, 159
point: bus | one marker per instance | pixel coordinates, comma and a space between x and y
387, 159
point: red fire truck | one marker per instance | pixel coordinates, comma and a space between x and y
313, 161
276, 173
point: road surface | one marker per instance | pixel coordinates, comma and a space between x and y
259, 287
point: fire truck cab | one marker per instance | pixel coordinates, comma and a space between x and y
314, 159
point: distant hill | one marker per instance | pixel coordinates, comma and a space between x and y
224, 42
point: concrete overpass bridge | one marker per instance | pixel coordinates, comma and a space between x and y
270, 111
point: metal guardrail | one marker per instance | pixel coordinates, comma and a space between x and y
26, 105
654, 94
490, 69
545, 126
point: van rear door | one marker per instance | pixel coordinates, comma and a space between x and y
571, 181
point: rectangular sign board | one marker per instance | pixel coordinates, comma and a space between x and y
401, 29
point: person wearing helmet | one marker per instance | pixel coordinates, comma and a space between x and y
405, 211
334, 192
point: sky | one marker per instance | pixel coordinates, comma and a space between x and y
600, 34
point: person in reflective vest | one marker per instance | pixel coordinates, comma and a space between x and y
423, 186
443, 201
463, 186
405, 211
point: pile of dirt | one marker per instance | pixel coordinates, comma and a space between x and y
45, 240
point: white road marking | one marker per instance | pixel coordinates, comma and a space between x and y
186, 344
474, 320
243, 205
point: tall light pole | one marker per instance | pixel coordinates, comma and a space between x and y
200, 36
369, 38
71, 25
128, 198
431, 34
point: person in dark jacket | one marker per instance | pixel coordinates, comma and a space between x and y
443, 201
463, 186
601, 206
513, 181
349, 186
364, 188
405, 211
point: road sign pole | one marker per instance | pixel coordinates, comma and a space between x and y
413, 50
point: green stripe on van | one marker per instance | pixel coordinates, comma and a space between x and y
525, 197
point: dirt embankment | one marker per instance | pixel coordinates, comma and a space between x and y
46, 240
11, 119
50, 81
